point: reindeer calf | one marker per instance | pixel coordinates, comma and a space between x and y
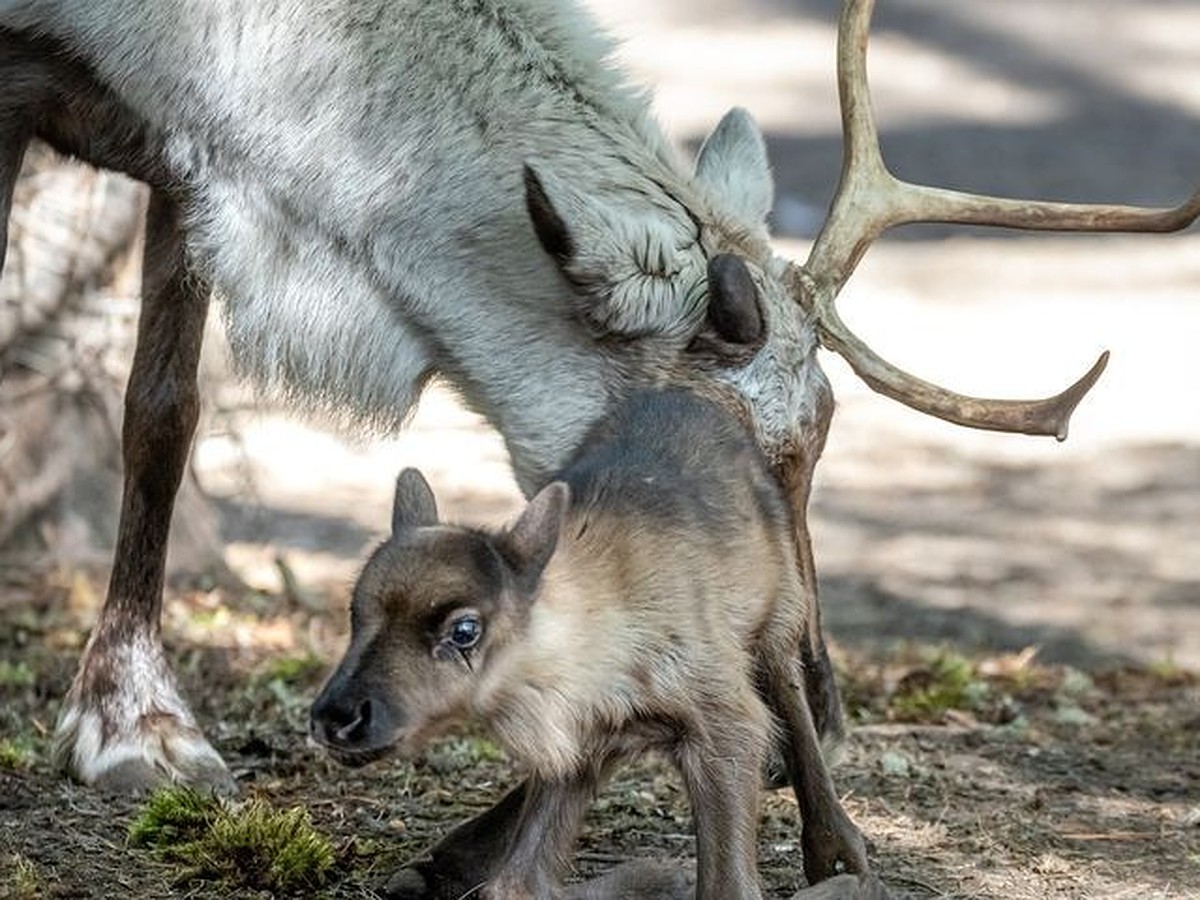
647, 599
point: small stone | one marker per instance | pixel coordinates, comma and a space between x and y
895, 765
1076, 682
1070, 714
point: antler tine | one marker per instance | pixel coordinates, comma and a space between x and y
870, 199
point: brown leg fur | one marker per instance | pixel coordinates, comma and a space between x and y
539, 855
721, 767
123, 725
831, 842
520, 848
464, 858
820, 686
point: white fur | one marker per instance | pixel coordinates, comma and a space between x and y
145, 726
357, 172
355, 169
733, 165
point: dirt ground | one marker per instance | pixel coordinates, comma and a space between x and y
1016, 622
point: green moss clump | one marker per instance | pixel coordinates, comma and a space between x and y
17, 753
300, 669
23, 880
262, 848
948, 682
248, 845
172, 817
16, 675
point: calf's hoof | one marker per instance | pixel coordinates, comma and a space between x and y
422, 880
845, 887
639, 880
833, 846
407, 884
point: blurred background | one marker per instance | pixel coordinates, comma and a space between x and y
1088, 550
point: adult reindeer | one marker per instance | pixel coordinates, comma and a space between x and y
386, 189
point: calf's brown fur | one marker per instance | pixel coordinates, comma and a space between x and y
649, 598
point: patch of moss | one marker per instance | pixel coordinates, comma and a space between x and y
302, 668
264, 849
247, 845
456, 754
17, 753
949, 681
23, 881
1169, 673
174, 816
15, 674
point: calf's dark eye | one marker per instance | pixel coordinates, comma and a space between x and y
465, 632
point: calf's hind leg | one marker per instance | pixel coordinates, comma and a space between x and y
123, 725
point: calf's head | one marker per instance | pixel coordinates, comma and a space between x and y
433, 605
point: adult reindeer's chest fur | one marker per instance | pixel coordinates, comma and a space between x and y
356, 176
355, 181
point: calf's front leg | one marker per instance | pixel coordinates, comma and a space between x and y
465, 858
721, 763
123, 725
539, 855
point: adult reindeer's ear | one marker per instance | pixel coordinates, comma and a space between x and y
532, 539
634, 270
733, 165
548, 224
733, 309
414, 506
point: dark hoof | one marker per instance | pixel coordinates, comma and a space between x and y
641, 879
407, 884
845, 887
137, 776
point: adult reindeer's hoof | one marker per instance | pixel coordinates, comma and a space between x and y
124, 728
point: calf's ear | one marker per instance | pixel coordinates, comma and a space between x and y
414, 506
530, 542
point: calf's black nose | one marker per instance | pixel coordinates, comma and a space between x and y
340, 722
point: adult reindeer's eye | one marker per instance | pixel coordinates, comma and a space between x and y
466, 631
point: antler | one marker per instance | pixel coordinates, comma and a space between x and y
869, 200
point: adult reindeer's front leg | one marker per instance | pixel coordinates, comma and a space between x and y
123, 725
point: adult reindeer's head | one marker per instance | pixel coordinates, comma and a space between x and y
754, 319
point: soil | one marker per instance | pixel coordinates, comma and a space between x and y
1016, 623
1002, 778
